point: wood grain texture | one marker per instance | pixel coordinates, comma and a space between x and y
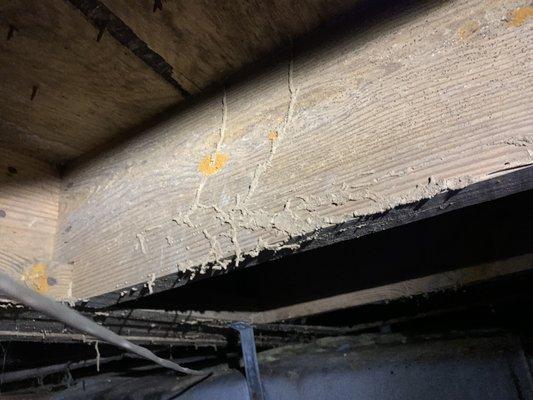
511, 183
63, 92
205, 41
402, 110
29, 195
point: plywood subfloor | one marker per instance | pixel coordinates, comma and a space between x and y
206, 41
70, 84
63, 92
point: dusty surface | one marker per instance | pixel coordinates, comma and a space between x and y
69, 85
63, 91
29, 196
429, 100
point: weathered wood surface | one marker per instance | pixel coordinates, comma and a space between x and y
432, 99
73, 76
63, 92
485, 191
205, 41
29, 195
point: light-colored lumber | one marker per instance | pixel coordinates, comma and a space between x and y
29, 195
431, 99
454, 279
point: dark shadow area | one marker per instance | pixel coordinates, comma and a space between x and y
493, 304
493, 230
470, 236
367, 19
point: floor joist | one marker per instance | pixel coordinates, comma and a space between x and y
313, 149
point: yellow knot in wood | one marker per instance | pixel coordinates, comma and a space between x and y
212, 163
519, 16
273, 135
36, 278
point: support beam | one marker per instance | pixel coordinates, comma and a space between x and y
210, 328
29, 198
389, 115
432, 283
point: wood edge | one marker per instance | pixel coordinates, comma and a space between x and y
431, 283
509, 183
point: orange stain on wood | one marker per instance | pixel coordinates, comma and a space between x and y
37, 278
212, 163
468, 29
273, 135
520, 15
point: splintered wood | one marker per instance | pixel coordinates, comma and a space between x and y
429, 99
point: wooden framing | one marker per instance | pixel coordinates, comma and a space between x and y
492, 189
363, 123
373, 126
432, 283
29, 201
155, 327
211, 328
63, 88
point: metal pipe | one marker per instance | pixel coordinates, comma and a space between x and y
249, 356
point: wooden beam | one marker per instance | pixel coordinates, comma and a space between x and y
155, 327
385, 116
432, 283
233, 34
492, 189
210, 328
29, 198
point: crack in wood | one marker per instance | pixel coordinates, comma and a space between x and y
262, 168
104, 20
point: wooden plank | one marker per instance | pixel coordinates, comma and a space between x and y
29, 197
63, 92
205, 42
514, 182
358, 125
447, 280
106, 21
210, 328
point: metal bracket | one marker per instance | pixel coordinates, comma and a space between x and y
249, 355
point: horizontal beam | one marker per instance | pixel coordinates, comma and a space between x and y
367, 122
433, 283
210, 328
492, 189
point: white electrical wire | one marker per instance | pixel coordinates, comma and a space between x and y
74, 319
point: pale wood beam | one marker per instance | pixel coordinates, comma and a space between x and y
425, 103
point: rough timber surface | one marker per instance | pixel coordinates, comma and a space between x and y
205, 41
29, 196
492, 189
66, 89
428, 101
153, 327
